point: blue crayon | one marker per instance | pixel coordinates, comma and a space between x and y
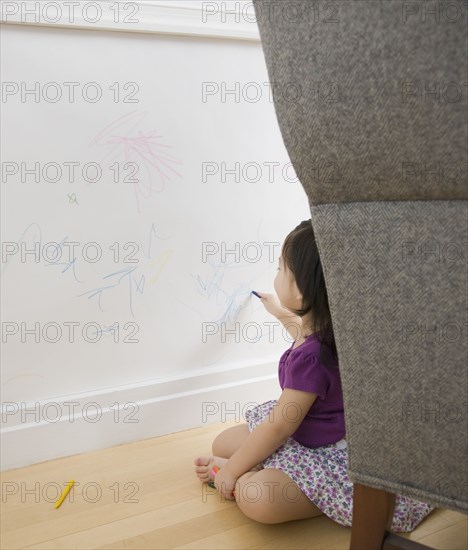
257, 295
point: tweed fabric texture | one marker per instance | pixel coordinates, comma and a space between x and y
387, 186
396, 278
351, 83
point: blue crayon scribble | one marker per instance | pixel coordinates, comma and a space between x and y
156, 236
131, 280
67, 265
112, 330
231, 303
135, 276
31, 226
235, 303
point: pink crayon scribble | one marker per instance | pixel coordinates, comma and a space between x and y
143, 149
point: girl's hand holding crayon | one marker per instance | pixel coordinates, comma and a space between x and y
273, 305
224, 482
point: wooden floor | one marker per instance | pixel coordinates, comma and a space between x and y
146, 495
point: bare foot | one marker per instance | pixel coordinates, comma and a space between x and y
204, 464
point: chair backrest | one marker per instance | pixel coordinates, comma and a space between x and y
371, 101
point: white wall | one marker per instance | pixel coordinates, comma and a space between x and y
173, 376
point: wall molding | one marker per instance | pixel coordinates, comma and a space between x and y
71, 425
228, 20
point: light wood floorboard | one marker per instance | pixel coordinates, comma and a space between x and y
173, 509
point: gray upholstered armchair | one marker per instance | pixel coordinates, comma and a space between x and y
371, 100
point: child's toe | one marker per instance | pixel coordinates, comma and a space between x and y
202, 460
202, 468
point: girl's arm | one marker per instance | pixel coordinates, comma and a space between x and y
292, 323
283, 420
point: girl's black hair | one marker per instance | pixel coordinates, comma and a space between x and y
300, 254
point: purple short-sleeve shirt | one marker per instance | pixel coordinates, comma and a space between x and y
300, 369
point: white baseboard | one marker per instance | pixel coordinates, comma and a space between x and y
75, 424
226, 20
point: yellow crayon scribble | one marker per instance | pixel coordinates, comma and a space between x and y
162, 260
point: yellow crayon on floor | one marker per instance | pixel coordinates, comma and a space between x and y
64, 493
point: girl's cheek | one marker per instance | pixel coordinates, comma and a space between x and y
275, 284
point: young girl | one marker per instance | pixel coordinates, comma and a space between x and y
289, 461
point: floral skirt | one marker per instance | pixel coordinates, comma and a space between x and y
321, 474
